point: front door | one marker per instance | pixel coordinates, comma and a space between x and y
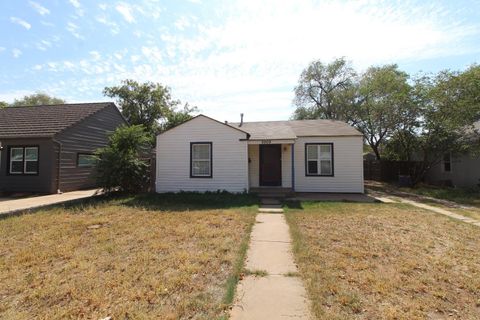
270, 165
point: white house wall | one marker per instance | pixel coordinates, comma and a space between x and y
230, 163
348, 166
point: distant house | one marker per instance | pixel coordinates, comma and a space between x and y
204, 154
46, 149
459, 171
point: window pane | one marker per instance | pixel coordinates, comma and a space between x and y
31, 154
201, 152
326, 166
16, 167
86, 160
447, 166
312, 152
201, 168
16, 154
325, 152
31, 166
313, 167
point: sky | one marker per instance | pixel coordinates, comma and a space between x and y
225, 57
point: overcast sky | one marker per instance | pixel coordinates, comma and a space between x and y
226, 57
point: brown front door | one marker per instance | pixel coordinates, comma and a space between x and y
271, 165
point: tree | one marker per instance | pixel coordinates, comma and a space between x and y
37, 99
385, 105
3, 104
143, 103
450, 105
120, 163
175, 118
325, 91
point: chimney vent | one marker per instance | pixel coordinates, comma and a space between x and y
226, 122
241, 119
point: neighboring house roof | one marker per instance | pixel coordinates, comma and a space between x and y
268, 130
46, 120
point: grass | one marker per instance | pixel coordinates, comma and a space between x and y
466, 196
145, 257
384, 261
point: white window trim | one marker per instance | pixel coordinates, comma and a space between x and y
25, 161
12, 161
207, 160
319, 159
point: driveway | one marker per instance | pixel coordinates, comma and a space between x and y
10, 206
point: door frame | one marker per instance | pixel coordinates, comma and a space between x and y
260, 178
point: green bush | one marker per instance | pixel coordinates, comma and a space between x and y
121, 164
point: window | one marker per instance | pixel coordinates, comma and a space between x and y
86, 160
447, 162
23, 160
319, 159
201, 160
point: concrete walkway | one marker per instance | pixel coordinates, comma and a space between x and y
9, 207
280, 294
450, 214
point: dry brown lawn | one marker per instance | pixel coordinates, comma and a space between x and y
380, 261
121, 260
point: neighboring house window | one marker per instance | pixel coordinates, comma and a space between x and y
447, 162
86, 160
201, 159
319, 159
23, 160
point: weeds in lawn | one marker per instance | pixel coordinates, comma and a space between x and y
256, 273
115, 257
376, 261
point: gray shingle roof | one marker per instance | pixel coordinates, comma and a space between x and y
268, 130
44, 121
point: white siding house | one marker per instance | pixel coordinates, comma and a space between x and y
302, 156
229, 157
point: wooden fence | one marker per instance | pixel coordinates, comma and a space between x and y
386, 170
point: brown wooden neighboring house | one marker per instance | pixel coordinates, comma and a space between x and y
47, 149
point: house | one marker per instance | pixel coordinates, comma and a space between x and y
457, 170
204, 154
46, 149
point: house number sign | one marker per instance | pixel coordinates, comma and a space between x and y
266, 141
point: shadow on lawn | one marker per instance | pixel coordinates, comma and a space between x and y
182, 201
192, 201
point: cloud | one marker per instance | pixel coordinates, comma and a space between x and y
16, 53
73, 29
21, 22
47, 24
75, 3
95, 55
43, 45
114, 28
103, 6
182, 23
39, 8
2, 49
248, 56
126, 11
78, 7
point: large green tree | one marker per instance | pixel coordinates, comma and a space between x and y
3, 104
178, 116
385, 106
146, 104
449, 104
325, 91
37, 99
